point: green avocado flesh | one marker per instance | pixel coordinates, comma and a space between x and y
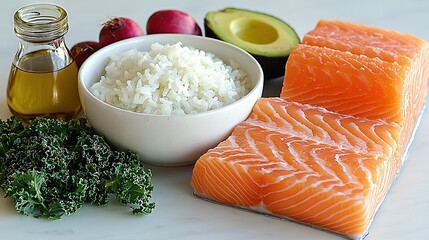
269, 39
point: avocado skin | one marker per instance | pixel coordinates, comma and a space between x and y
273, 67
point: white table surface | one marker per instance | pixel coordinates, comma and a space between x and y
178, 214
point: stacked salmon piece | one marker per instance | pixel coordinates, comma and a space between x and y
327, 151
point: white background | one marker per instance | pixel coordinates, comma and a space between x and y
179, 215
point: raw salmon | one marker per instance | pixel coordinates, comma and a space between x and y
353, 84
327, 151
318, 124
388, 45
361, 70
304, 163
346, 83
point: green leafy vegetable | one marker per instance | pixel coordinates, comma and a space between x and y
51, 167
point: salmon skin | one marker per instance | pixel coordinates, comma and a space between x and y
327, 151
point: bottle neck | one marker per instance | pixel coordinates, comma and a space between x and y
53, 45
59, 55
40, 23
40, 29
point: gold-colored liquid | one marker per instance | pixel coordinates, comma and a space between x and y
45, 88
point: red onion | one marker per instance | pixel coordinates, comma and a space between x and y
118, 29
172, 21
81, 51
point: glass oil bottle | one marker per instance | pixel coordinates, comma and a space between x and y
43, 76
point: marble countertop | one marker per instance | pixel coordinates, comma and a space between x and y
180, 215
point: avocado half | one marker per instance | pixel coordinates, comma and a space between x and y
269, 39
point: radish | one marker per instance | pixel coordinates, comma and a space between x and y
81, 51
118, 29
172, 21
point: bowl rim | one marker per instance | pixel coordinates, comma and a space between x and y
258, 86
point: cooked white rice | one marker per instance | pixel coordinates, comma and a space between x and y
170, 80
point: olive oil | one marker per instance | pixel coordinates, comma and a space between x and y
43, 76
41, 84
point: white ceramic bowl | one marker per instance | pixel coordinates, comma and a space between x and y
167, 140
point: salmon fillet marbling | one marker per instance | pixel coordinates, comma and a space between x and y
294, 160
361, 70
388, 45
327, 151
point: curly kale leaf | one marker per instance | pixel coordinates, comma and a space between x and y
33, 195
132, 186
51, 167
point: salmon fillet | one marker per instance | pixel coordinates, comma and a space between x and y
388, 45
288, 156
347, 83
391, 46
362, 71
318, 124
327, 151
